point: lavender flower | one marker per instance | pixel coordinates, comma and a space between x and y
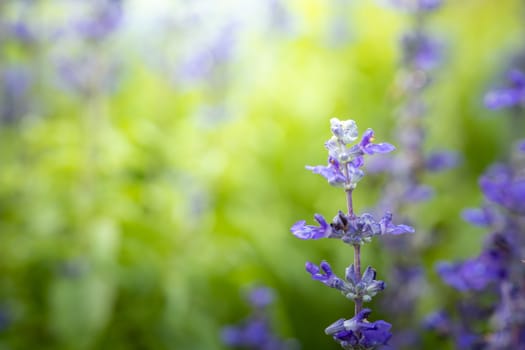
499, 185
353, 288
497, 270
255, 332
421, 51
105, 18
511, 95
350, 229
344, 162
358, 333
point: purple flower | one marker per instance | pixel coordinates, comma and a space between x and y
332, 172
443, 160
202, 63
303, 231
367, 286
255, 331
353, 288
344, 163
418, 193
106, 18
510, 96
439, 322
350, 229
358, 332
483, 217
261, 297
421, 51
472, 274
323, 273
345, 131
499, 185
368, 147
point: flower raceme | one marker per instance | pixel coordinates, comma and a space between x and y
345, 160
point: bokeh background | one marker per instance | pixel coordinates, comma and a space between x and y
152, 160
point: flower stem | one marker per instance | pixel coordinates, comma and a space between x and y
349, 203
357, 251
357, 266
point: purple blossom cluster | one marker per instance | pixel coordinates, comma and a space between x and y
510, 93
16, 75
255, 332
421, 54
346, 157
497, 271
86, 67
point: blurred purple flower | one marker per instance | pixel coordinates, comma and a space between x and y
442, 160
484, 216
510, 96
105, 19
261, 297
418, 193
421, 51
255, 332
472, 274
439, 322
202, 62
15, 85
501, 186
477, 273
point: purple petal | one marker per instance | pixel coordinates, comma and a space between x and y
303, 231
400, 229
326, 268
368, 275
350, 274
311, 268
478, 216
379, 148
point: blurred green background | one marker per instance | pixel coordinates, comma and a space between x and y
150, 172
